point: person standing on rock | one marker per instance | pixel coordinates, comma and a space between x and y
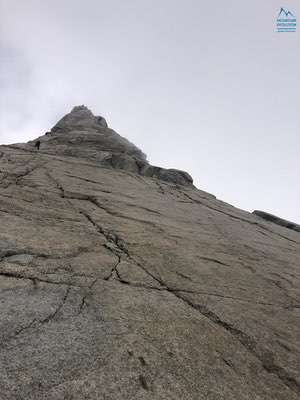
37, 144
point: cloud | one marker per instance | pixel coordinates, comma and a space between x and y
201, 87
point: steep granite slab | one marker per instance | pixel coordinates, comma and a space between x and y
116, 285
276, 220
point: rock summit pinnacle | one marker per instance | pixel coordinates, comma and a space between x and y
85, 135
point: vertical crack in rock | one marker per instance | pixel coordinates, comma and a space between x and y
59, 308
39, 321
21, 330
265, 357
114, 269
58, 185
119, 247
111, 237
81, 144
87, 293
15, 179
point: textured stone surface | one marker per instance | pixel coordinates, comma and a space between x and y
278, 221
115, 285
81, 134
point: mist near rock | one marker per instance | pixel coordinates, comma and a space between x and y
219, 101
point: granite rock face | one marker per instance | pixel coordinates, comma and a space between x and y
81, 134
276, 220
119, 285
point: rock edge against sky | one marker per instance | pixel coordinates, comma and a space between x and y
118, 283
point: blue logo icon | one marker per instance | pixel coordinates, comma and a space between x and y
286, 21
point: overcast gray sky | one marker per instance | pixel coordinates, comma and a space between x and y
208, 87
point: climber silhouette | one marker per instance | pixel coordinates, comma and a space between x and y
37, 144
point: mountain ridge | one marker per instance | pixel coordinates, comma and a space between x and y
119, 285
80, 134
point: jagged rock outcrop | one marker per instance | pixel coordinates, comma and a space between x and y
81, 134
118, 285
277, 220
